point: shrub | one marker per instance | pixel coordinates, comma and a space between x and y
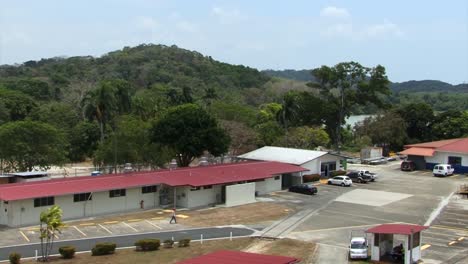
67, 252
184, 242
147, 244
311, 178
168, 243
337, 173
14, 258
103, 249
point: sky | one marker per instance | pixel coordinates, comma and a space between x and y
413, 40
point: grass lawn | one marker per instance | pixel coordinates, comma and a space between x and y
285, 247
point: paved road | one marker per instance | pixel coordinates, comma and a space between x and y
128, 240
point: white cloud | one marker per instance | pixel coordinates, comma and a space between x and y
227, 16
147, 23
334, 12
386, 29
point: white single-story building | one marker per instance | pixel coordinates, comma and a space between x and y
316, 162
229, 184
451, 151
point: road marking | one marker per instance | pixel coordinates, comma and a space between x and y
182, 216
461, 238
155, 225
133, 220
131, 227
81, 232
56, 237
33, 229
25, 237
362, 216
157, 218
449, 227
111, 222
105, 228
87, 224
425, 247
451, 243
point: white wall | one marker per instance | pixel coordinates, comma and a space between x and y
203, 197
239, 194
313, 166
268, 185
442, 157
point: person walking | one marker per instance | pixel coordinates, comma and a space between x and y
173, 218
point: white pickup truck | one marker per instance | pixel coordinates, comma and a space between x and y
373, 176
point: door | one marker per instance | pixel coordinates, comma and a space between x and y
223, 194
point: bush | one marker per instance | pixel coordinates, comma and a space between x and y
103, 249
184, 242
311, 178
168, 243
67, 252
147, 244
14, 258
337, 173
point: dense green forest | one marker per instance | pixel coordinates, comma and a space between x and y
153, 103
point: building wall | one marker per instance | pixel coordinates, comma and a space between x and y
203, 197
23, 212
268, 185
239, 194
313, 166
4, 180
182, 194
442, 157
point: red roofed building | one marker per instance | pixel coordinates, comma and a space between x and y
450, 151
229, 184
237, 257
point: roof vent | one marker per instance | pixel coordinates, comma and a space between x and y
173, 164
203, 162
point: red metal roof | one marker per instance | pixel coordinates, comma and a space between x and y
428, 152
400, 229
196, 176
459, 146
237, 257
433, 144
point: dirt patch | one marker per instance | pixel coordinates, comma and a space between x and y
284, 247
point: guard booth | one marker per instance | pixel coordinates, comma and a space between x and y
383, 241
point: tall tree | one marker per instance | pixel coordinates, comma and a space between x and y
50, 224
189, 130
25, 145
450, 124
419, 118
347, 84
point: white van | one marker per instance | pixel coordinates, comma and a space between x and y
358, 248
442, 170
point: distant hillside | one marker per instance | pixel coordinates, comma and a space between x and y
409, 86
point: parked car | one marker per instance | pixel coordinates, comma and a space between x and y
366, 172
304, 189
355, 176
408, 165
442, 170
358, 248
340, 180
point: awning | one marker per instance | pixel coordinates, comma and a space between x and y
400, 229
428, 152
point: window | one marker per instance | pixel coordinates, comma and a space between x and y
149, 189
277, 178
117, 193
208, 187
454, 160
376, 240
44, 201
81, 197
194, 188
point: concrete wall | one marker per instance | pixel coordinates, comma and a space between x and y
442, 157
203, 197
313, 166
240, 194
269, 185
23, 212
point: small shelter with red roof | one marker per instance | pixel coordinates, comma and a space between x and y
237, 257
450, 151
383, 241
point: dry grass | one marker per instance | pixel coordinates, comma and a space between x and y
285, 247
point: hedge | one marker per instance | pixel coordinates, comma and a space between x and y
14, 258
147, 244
184, 242
168, 243
103, 249
67, 252
337, 173
311, 178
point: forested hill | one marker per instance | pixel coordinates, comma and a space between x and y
409, 86
143, 66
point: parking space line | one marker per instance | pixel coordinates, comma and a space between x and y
108, 231
133, 220
157, 218
81, 232
131, 227
111, 222
155, 225
449, 227
451, 243
426, 246
24, 236
461, 238
87, 224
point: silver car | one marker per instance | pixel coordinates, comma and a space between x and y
340, 180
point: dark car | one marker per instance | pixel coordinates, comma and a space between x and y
408, 165
355, 176
303, 188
